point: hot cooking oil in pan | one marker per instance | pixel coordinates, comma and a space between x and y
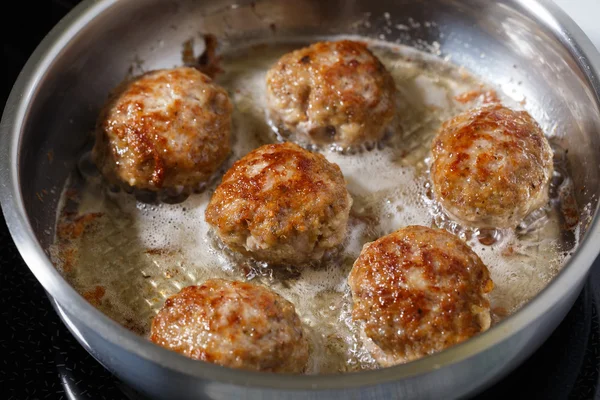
126, 257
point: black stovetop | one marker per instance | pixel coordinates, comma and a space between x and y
42, 360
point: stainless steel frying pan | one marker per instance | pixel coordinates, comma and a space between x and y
59, 92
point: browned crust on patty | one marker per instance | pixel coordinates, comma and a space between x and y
164, 129
340, 93
419, 290
295, 194
235, 324
491, 166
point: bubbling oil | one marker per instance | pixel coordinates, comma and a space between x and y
127, 256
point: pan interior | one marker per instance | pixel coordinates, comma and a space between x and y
511, 53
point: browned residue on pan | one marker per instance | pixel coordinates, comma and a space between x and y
69, 230
208, 62
95, 295
486, 96
74, 228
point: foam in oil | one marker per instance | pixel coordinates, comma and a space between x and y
127, 257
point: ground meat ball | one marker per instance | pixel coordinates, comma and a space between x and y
281, 204
164, 130
332, 92
418, 291
491, 167
235, 324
